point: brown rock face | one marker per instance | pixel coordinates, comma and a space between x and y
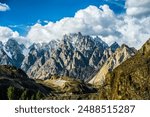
131, 80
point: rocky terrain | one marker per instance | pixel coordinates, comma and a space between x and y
15, 85
118, 57
130, 80
75, 67
75, 55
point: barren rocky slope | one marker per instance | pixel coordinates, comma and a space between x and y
130, 80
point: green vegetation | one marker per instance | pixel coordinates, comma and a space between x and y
16, 94
24, 95
39, 95
10, 93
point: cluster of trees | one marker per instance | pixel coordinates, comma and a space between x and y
17, 94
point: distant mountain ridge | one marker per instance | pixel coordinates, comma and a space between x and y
76, 56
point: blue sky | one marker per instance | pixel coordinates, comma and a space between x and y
27, 12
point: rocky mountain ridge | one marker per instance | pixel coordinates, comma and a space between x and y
118, 57
75, 55
126, 73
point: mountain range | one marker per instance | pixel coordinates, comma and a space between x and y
75, 67
75, 55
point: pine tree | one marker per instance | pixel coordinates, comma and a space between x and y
24, 95
11, 93
39, 95
33, 97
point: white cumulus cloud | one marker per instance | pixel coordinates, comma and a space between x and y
134, 32
6, 33
138, 8
4, 7
91, 21
100, 21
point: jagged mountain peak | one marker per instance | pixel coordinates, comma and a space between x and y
127, 50
75, 53
114, 46
12, 45
72, 37
77, 38
12, 41
124, 46
15, 51
35, 46
52, 45
97, 39
79, 34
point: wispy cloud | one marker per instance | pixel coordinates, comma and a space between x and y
4, 7
18, 26
116, 2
